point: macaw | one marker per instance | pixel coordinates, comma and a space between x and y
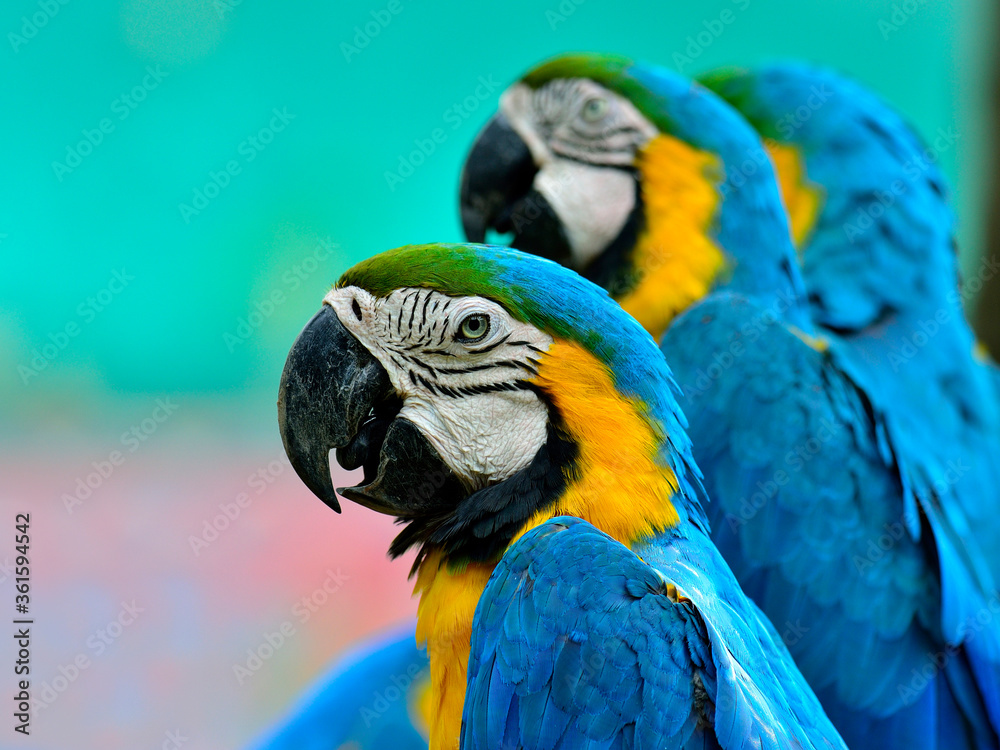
868, 209
570, 596
836, 149
842, 528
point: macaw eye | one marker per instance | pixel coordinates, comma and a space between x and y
594, 109
473, 328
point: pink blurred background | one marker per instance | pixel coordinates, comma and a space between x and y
170, 668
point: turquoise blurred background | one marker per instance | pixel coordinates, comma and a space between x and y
183, 180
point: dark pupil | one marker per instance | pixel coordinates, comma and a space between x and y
356, 308
474, 325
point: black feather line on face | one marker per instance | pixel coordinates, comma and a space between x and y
481, 526
423, 311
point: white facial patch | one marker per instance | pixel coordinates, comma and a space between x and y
460, 365
581, 136
592, 203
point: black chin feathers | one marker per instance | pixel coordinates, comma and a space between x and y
481, 526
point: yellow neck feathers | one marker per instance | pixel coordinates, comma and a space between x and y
802, 198
444, 623
620, 487
674, 259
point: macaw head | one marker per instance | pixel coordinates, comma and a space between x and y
483, 390
866, 201
646, 183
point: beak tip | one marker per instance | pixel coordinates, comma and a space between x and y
474, 226
498, 172
326, 371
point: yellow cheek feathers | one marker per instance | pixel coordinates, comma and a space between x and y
620, 487
802, 198
674, 260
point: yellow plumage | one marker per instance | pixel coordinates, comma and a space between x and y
674, 258
620, 488
802, 198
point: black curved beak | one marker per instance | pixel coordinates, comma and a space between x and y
498, 193
329, 387
335, 395
498, 171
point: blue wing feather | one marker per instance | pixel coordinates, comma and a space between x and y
814, 520
630, 666
881, 270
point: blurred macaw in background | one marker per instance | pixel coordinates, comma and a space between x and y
810, 455
370, 698
570, 596
869, 213
847, 455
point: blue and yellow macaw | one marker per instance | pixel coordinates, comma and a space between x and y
869, 213
833, 516
840, 514
570, 596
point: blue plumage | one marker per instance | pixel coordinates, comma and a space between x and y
814, 511
852, 482
882, 275
618, 658
366, 700
611, 647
